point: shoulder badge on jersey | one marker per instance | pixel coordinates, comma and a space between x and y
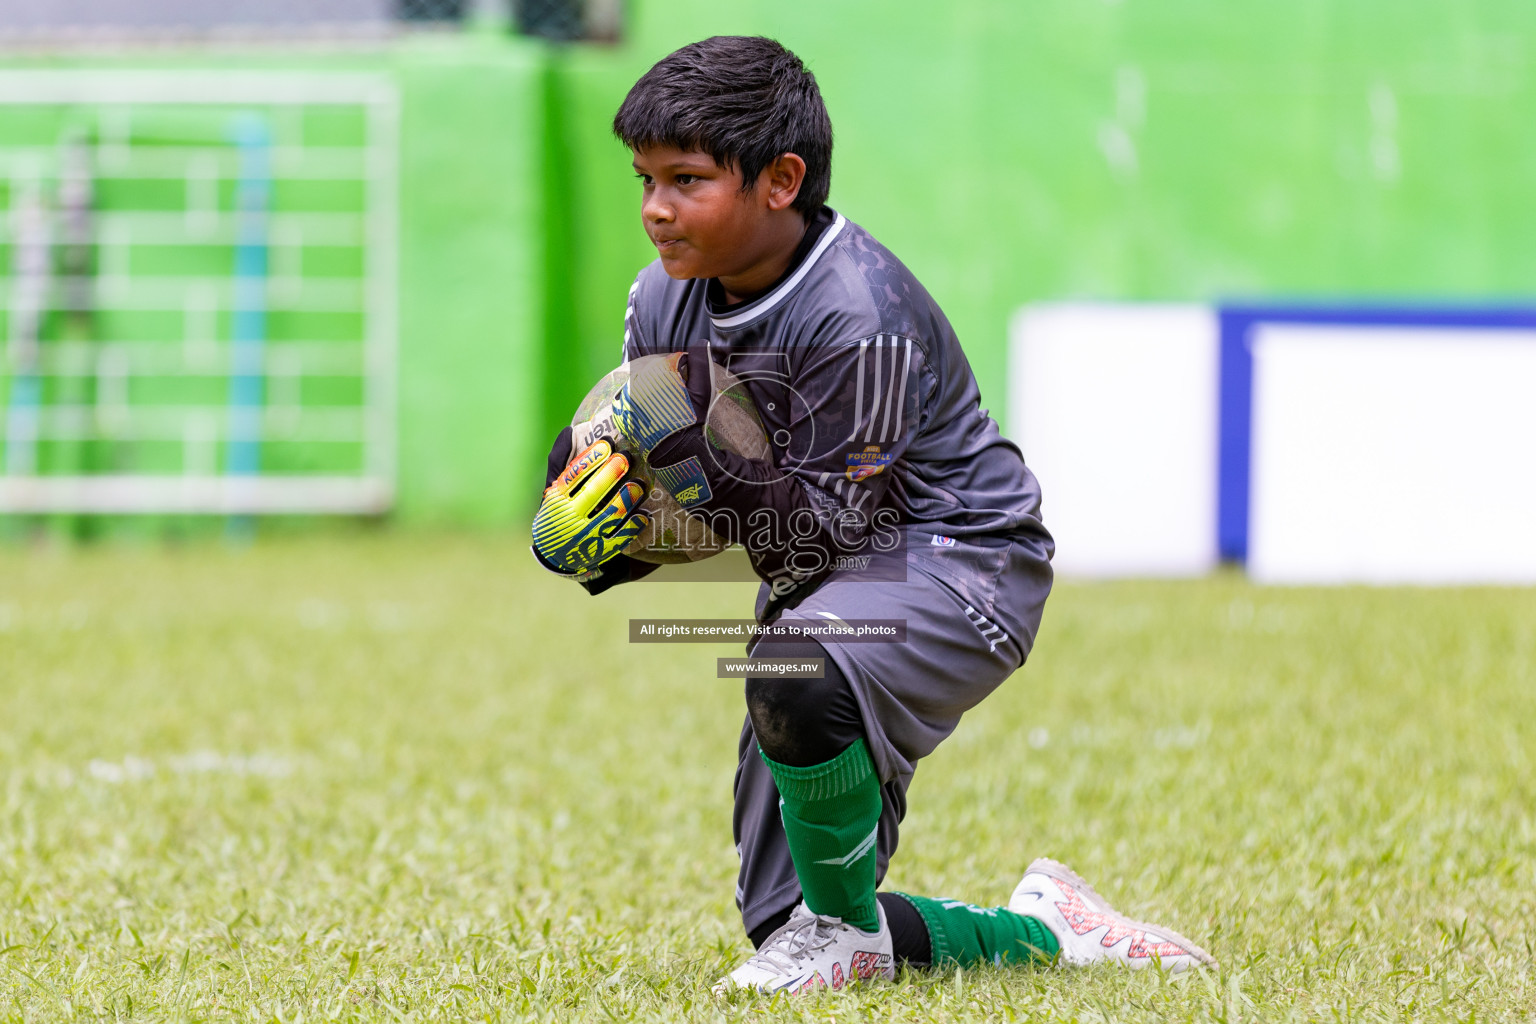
865, 464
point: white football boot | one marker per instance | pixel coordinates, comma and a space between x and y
812, 951
1091, 931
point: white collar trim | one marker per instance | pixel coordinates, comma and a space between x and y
767, 303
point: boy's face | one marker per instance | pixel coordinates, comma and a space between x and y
699, 219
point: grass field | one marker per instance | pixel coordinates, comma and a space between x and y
385, 778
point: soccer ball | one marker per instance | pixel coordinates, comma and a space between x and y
732, 425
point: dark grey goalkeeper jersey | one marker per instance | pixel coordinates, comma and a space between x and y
873, 412
867, 398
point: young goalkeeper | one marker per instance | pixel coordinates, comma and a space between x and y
879, 449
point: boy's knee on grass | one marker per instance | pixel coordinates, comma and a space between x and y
802, 722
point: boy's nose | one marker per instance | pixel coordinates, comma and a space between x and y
654, 209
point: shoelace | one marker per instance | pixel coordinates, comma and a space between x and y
780, 954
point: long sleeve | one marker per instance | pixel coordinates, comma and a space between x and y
858, 405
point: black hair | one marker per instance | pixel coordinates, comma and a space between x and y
744, 100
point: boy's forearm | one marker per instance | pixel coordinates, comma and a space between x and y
763, 506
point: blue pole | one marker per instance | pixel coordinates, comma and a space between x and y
253, 198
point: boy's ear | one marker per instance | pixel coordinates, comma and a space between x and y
785, 176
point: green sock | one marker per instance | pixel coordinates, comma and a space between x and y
830, 812
963, 934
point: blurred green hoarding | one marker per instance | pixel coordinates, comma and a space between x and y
1008, 152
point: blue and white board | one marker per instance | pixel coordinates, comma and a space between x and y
1380, 445
1315, 444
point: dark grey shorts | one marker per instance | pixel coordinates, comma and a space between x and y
972, 608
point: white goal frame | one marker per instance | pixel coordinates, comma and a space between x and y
370, 492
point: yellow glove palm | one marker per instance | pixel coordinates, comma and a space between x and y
588, 514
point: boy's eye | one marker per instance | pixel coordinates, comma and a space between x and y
687, 179
645, 179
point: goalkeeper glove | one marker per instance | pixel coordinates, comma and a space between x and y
661, 411
654, 403
588, 514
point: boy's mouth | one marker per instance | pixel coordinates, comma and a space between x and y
666, 245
